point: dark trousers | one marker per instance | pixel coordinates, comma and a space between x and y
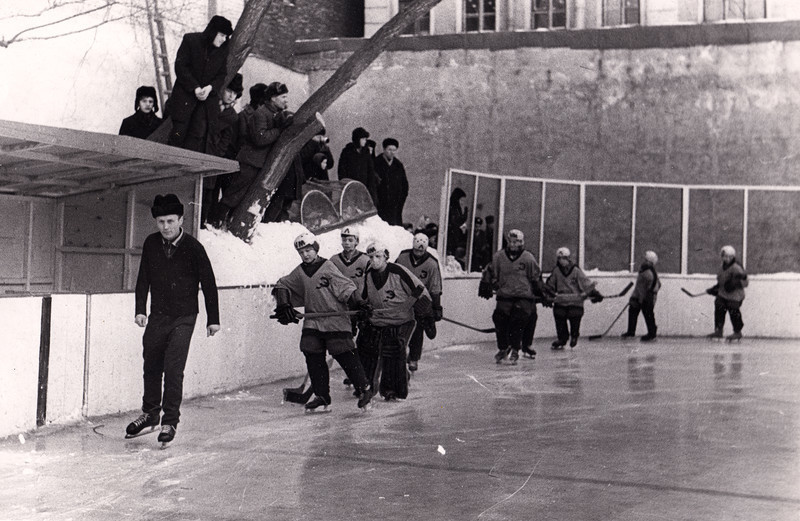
320, 376
511, 317
387, 346
415, 344
530, 328
722, 306
166, 347
564, 315
648, 312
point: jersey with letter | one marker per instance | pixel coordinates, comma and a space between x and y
354, 268
425, 268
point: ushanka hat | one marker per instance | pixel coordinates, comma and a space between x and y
166, 205
146, 91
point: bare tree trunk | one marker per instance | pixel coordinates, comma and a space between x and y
306, 121
240, 44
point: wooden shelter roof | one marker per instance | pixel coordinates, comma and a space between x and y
43, 161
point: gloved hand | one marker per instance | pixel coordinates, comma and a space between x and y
429, 326
547, 302
714, 291
731, 284
437, 313
364, 311
286, 314
485, 290
595, 297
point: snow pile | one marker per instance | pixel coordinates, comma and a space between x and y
271, 253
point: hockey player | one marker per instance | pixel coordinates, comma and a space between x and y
353, 264
399, 301
566, 288
729, 293
425, 266
516, 277
644, 298
319, 286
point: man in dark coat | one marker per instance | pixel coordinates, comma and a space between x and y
200, 68
172, 266
144, 120
393, 185
291, 187
355, 162
225, 144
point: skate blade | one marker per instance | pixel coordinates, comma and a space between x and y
165, 444
319, 410
142, 433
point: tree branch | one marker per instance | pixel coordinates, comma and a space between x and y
245, 217
16, 37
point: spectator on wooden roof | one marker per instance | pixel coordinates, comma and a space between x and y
200, 68
144, 120
393, 184
355, 162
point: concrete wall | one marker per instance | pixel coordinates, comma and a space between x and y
251, 350
549, 105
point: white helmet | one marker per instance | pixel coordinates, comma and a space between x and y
651, 257
377, 247
304, 240
420, 238
728, 250
563, 252
516, 234
351, 230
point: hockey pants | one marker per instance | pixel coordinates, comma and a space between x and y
415, 344
511, 317
320, 376
722, 306
648, 312
564, 315
530, 328
389, 344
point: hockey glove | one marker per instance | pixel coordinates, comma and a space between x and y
364, 311
731, 285
595, 297
485, 290
429, 326
437, 307
286, 315
713, 291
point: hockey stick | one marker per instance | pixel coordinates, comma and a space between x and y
693, 295
622, 293
297, 394
479, 330
323, 315
604, 333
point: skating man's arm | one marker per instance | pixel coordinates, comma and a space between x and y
208, 283
142, 288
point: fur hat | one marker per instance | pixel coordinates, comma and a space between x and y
359, 133
276, 88
236, 85
651, 257
146, 91
389, 141
258, 94
218, 24
166, 205
728, 250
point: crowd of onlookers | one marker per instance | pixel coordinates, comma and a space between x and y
204, 119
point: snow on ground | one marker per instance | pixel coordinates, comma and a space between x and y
271, 253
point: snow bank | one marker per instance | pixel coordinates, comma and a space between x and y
271, 253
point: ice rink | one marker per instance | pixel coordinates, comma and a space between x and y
682, 429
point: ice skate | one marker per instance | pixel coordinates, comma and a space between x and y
390, 396
365, 398
166, 435
514, 356
347, 383
715, 335
412, 365
573, 341
529, 351
144, 424
737, 336
648, 338
627, 334
318, 405
501, 355
557, 345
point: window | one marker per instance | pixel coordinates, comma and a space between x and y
620, 12
421, 26
720, 10
548, 14
479, 15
